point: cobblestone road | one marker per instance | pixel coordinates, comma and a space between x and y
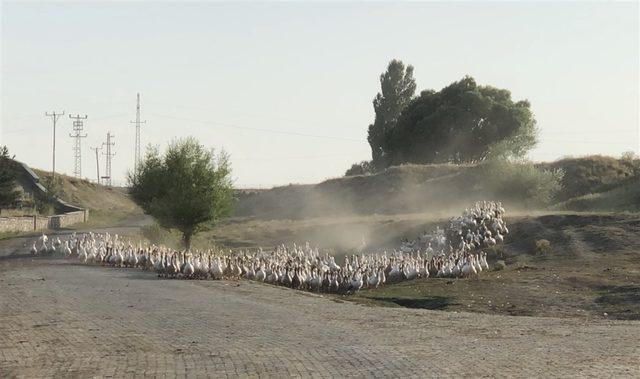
59, 319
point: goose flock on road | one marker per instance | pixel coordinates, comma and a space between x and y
454, 252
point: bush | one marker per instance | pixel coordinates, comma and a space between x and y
499, 266
522, 182
44, 203
543, 246
156, 234
362, 168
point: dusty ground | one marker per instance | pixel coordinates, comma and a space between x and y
62, 319
592, 270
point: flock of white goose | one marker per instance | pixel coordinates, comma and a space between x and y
454, 252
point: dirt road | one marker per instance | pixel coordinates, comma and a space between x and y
62, 319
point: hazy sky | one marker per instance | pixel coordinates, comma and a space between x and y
286, 88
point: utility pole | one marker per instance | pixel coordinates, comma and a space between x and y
54, 116
108, 154
137, 122
96, 150
78, 127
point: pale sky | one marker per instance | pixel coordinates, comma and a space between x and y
286, 88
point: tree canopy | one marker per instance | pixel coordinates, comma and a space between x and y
397, 89
462, 123
184, 188
8, 193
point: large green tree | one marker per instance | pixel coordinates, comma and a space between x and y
397, 89
8, 193
462, 123
185, 188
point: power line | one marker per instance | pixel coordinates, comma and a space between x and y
233, 126
137, 122
78, 127
54, 117
109, 155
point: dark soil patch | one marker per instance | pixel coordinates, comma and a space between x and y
430, 302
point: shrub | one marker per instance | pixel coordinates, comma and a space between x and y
522, 182
499, 266
44, 203
362, 168
543, 246
156, 234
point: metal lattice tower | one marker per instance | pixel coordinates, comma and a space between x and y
78, 127
137, 122
109, 155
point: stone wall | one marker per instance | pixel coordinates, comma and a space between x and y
17, 224
67, 219
30, 182
33, 223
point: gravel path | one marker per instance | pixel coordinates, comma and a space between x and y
60, 319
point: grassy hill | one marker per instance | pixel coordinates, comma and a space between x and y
625, 198
433, 188
107, 205
593, 174
402, 189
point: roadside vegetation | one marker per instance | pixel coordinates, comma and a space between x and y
186, 188
8, 191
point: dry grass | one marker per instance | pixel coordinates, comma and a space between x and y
593, 174
428, 188
625, 198
107, 205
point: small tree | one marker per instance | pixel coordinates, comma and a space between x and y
8, 193
397, 87
184, 188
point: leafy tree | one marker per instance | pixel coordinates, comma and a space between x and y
397, 89
8, 193
462, 123
185, 188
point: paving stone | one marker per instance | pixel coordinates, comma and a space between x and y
84, 321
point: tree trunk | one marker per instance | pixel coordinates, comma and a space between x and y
186, 238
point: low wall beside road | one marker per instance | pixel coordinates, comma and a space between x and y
68, 214
34, 223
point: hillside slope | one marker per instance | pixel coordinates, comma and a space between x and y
106, 204
431, 188
625, 198
402, 189
593, 174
